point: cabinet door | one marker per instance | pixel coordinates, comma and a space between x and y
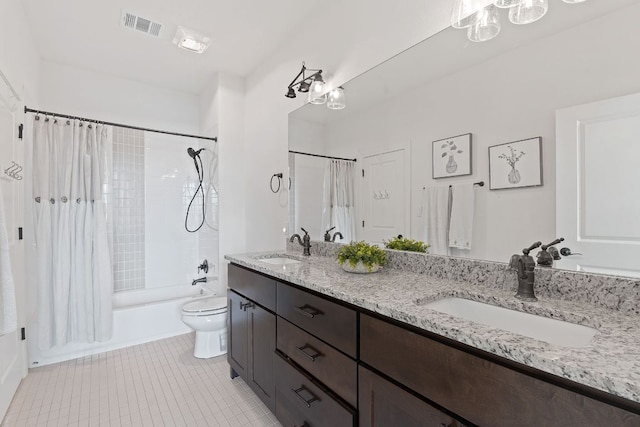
262, 345
237, 354
384, 404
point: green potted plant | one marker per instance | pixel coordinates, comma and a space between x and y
403, 244
361, 257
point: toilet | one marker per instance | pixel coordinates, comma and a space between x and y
208, 317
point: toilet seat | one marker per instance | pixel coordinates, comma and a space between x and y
205, 306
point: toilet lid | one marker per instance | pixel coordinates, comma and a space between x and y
205, 304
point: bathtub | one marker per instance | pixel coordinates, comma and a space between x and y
139, 316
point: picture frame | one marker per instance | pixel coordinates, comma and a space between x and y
516, 164
451, 156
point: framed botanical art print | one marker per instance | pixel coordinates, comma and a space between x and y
451, 156
516, 164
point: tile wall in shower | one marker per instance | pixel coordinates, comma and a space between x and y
129, 209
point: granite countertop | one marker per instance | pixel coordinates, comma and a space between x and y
610, 363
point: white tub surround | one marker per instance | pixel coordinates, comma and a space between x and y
410, 281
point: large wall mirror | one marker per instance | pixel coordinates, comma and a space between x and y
507, 89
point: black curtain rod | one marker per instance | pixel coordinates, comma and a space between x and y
47, 113
479, 184
320, 155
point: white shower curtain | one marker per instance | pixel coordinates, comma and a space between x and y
71, 183
338, 201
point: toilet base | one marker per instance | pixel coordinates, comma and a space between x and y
210, 344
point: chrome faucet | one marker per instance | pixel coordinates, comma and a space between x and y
328, 238
524, 266
305, 242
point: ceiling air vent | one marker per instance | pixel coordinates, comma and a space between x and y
138, 23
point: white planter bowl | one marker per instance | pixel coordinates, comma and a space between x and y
360, 268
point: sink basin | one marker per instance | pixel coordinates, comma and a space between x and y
279, 261
553, 331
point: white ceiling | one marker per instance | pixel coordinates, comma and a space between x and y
88, 34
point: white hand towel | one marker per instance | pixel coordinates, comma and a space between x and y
8, 314
436, 218
462, 211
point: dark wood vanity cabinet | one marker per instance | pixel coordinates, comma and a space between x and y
475, 388
252, 332
316, 362
383, 403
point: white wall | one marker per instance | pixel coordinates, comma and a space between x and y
19, 62
85, 93
346, 39
511, 97
222, 113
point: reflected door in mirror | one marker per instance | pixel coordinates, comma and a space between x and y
597, 194
383, 194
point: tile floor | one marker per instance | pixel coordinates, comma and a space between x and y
154, 384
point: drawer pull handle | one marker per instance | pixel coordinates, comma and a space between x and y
308, 311
309, 356
245, 306
307, 402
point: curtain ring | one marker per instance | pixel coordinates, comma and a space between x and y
37, 199
64, 199
53, 201
78, 200
37, 117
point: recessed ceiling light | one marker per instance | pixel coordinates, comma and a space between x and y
191, 40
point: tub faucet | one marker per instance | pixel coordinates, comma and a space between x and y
524, 265
200, 280
305, 242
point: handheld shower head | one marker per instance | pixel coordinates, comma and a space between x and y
193, 153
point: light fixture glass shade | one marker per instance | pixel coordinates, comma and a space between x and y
507, 3
574, 1
528, 11
487, 27
336, 99
465, 13
316, 92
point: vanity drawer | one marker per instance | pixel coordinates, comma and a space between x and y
301, 402
331, 322
256, 287
328, 365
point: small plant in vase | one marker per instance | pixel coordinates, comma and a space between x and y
512, 159
403, 244
449, 148
361, 257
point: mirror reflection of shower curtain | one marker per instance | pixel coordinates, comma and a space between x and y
339, 199
71, 183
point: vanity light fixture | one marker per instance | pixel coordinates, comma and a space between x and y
306, 83
487, 27
336, 99
483, 22
191, 40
